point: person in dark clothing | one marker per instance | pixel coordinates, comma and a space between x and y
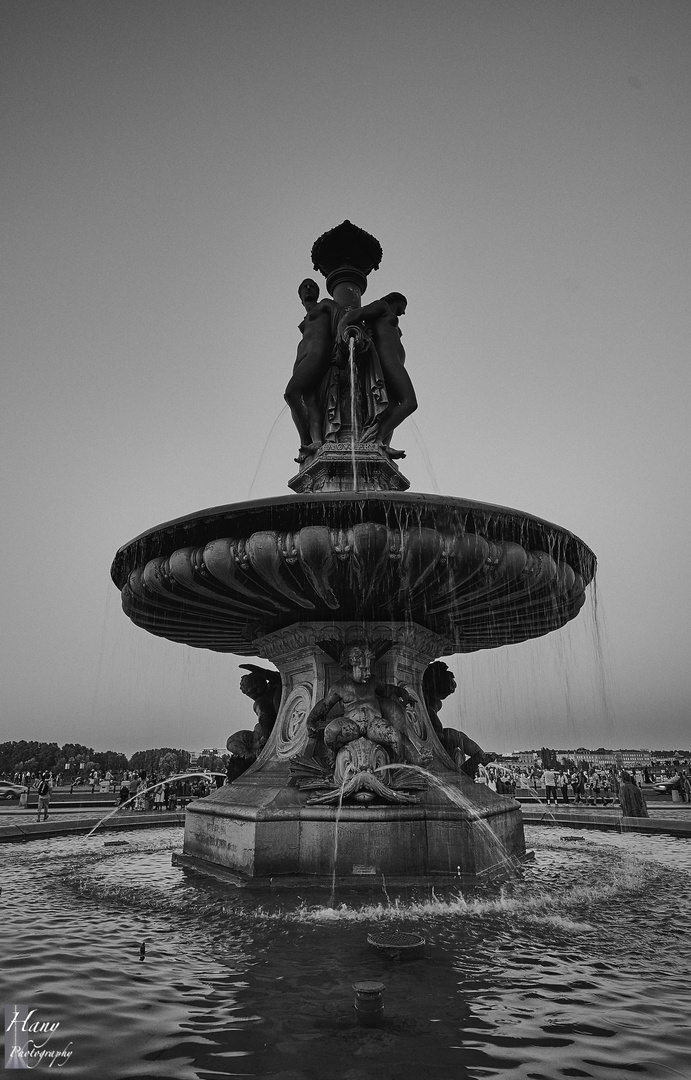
631, 797
43, 797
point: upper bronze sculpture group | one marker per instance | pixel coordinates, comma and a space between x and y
313, 393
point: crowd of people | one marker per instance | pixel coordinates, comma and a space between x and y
497, 777
604, 786
584, 786
138, 792
92, 780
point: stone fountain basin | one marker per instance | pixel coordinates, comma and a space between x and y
477, 575
260, 829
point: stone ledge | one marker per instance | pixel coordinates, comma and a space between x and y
43, 830
612, 821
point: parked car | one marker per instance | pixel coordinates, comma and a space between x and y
672, 783
9, 790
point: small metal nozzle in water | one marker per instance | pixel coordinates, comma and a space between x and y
369, 1003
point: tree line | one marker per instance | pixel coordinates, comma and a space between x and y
75, 759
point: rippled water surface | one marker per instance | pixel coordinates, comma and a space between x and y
581, 969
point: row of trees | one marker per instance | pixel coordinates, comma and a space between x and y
74, 759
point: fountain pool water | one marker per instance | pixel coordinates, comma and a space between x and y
578, 969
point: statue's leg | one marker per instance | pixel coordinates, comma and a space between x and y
315, 420
340, 731
298, 411
395, 416
400, 389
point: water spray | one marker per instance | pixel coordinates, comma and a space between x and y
139, 793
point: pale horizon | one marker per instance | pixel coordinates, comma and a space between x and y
167, 167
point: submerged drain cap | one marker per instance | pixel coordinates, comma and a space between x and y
396, 944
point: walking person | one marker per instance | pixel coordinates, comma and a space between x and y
43, 797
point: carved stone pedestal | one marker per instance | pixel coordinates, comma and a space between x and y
334, 467
263, 826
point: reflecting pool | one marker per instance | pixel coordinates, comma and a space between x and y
580, 969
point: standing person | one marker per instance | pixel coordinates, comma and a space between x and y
631, 797
564, 785
682, 782
577, 785
550, 781
594, 789
613, 781
142, 802
606, 789
43, 797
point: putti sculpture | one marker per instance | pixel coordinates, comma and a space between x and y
353, 588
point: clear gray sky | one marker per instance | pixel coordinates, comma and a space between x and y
166, 166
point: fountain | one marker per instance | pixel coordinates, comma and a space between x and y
353, 588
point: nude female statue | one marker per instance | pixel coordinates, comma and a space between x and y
380, 319
311, 365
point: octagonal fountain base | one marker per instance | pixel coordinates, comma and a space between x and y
262, 835
270, 823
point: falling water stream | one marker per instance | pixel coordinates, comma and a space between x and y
353, 409
457, 798
332, 898
144, 791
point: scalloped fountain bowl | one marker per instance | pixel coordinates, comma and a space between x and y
478, 576
295, 579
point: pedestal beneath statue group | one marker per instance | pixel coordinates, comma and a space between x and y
315, 776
